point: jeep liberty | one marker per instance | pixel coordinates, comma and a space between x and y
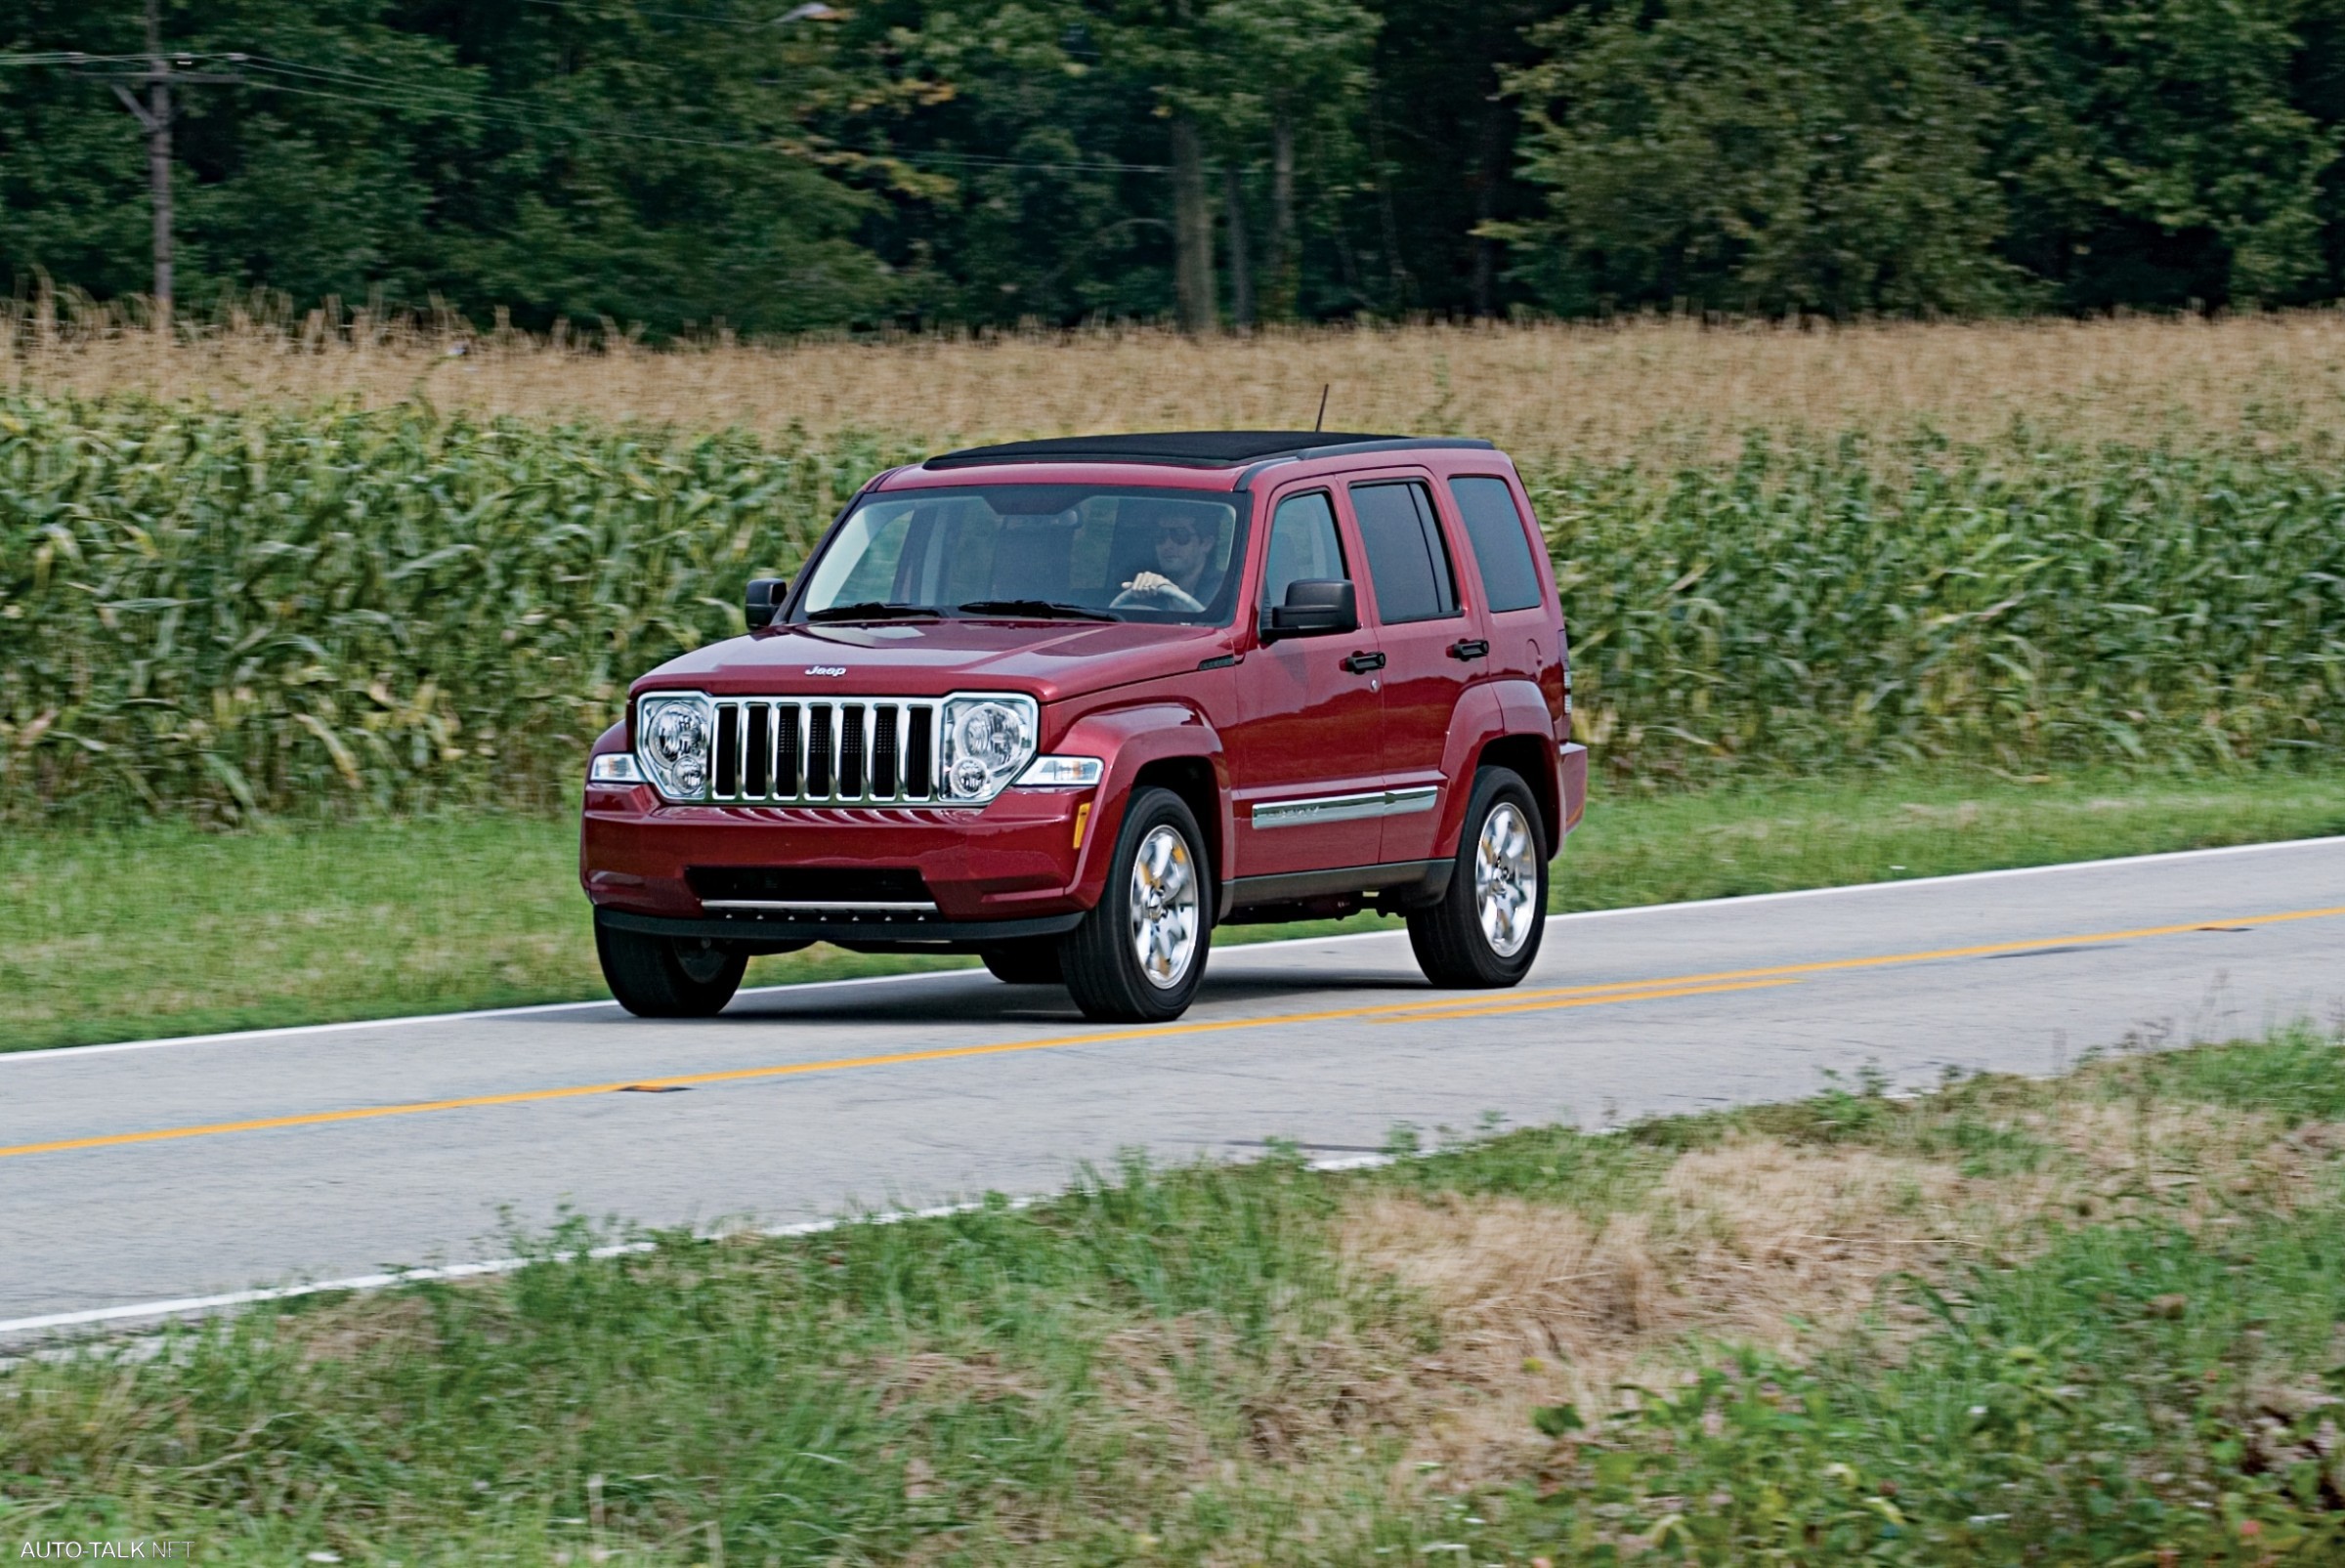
1071, 705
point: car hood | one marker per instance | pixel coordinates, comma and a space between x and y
1048, 659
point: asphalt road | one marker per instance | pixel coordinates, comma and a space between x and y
177, 1168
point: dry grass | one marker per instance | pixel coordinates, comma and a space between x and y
1767, 1243
1542, 390
1544, 1305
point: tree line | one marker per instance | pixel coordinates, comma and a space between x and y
779, 166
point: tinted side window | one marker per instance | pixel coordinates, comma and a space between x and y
1304, 546
1406, 559
1500, 547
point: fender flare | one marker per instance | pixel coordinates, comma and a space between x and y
1488, 711
1128, 739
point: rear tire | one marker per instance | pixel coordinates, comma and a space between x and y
1158, 903
1485, 932
668, 977
1033, 961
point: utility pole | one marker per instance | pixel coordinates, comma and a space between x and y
159, 156
153, 116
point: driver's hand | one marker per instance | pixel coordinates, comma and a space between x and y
1156, 591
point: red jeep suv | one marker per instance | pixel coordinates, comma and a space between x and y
1070, 704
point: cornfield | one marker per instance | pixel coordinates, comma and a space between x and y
230, 611
1548, 392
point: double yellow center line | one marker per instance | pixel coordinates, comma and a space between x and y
1479, 1006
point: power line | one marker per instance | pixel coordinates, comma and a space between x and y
486, 108
615, 12
336, 84
74, 56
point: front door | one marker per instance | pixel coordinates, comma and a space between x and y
1306, 764
1429, 642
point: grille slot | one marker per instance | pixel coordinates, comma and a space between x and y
814, 886
758, 780
811, 751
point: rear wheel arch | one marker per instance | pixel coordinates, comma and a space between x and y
1528, 757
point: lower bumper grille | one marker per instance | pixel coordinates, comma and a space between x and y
812, 885
802, 751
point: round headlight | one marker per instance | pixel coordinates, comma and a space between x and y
679, 734
986, 739
993, 735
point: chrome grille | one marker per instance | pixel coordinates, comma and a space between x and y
789, 750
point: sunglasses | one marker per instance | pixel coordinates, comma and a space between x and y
1177, 534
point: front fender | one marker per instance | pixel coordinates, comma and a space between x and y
1129, 739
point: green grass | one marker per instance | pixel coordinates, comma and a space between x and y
128, 933
1194, 1365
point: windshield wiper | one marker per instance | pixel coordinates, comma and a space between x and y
875, 610
1035, 610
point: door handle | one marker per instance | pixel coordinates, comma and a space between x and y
1362, 663
1469, 647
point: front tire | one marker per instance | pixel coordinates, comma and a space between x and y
666, 977
1485, 932
1138, 957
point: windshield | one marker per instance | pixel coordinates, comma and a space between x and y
1075, 551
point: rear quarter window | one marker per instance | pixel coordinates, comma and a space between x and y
1502, 548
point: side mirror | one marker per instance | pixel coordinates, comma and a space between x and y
764, 601
1315, 607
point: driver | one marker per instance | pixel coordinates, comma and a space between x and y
1183, 579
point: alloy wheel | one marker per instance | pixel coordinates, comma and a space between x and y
1506, 880
1163, 908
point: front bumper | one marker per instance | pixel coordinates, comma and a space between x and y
994, 872
782, 934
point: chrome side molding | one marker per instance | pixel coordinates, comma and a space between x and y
1346, 808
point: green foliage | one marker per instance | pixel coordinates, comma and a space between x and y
1759, 156
2295, 1075
560, 161
1882, 156
760, 166
271, 610
2159, 152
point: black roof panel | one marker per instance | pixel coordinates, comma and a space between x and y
1189, 448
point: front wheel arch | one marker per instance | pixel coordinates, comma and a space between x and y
1199, 788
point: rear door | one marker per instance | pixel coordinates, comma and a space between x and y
1429, 644
1525, 639
1305, 759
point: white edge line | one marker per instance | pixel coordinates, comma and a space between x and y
2334, 840
403, 1020
52, 1053
197, 1305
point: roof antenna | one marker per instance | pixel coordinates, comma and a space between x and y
1320, 423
